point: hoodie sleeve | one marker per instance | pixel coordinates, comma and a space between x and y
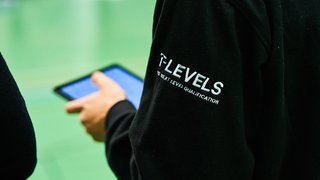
18, 154
118, 147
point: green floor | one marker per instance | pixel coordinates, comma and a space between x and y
47, 42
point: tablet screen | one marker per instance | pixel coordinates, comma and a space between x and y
130, 83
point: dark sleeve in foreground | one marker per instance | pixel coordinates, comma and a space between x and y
18, 154
118, 146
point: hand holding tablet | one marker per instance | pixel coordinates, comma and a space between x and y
129, 82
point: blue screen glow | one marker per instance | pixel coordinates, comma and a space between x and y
130, 84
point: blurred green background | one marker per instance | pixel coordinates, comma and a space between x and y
48, 42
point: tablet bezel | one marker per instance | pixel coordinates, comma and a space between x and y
57, 89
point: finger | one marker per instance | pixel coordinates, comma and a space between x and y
84, 119
101, 80
97, 136
74, 106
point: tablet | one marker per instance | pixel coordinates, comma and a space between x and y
83, 86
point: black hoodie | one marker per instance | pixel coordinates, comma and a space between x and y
18, 156
231, 93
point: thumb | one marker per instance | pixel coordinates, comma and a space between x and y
101, 80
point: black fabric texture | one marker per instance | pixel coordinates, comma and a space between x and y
231, 93
117, 138
18, 149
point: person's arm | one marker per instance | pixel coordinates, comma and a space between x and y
118, 146
204, 106
107, 116
18, 148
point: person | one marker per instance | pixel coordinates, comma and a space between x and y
18, 143
231, 92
